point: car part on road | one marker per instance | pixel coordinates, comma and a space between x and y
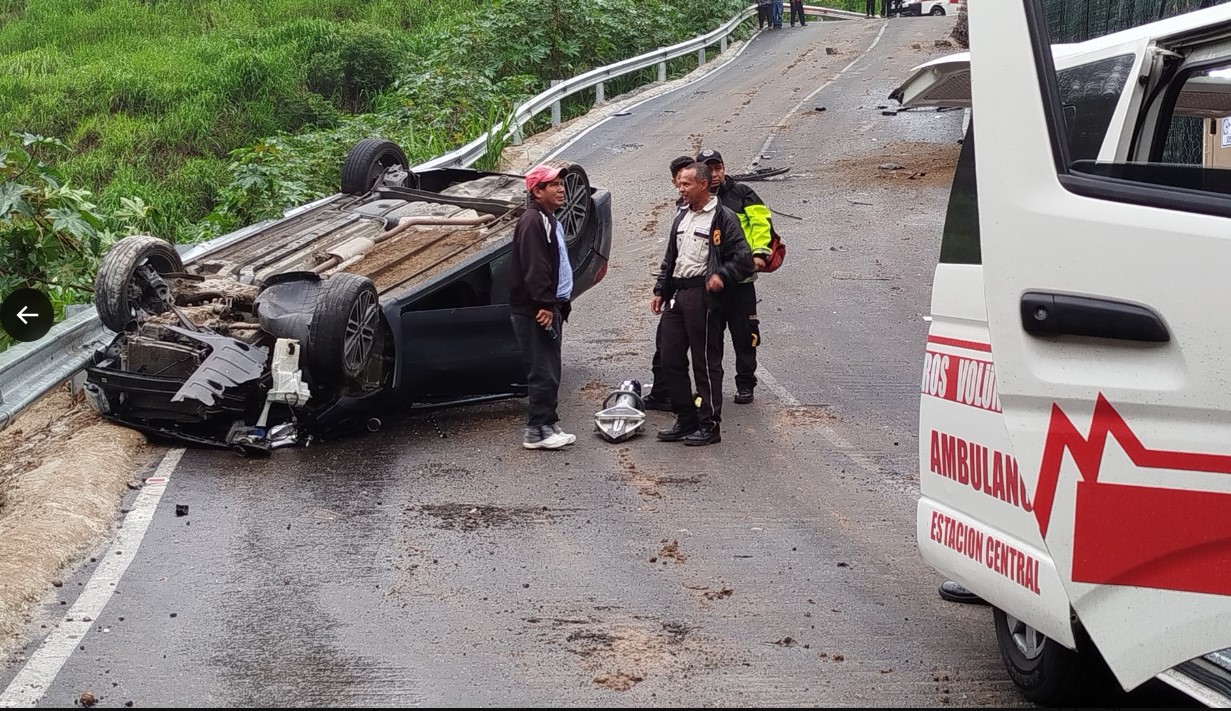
130, 280
623, 413
760, 174
230, 362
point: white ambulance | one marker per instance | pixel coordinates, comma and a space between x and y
1075, 417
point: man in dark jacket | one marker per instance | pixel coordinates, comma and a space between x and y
540, 285
740, 300
659, 398
706, 253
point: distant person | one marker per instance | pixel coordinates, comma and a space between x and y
540, 286
777, 14
797, 10
706, 253
659, 397
764, 13
869, 8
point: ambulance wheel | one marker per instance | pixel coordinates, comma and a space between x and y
1045, 671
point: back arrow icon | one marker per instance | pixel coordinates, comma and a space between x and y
23, 316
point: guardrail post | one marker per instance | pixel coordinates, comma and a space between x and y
722, 44
600, 94
517, 135
662, 71
555, 107
701, 57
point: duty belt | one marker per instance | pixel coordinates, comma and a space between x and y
690, 282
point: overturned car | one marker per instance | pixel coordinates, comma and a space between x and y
391, 294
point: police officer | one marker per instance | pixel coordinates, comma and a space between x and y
740, 300
706, 254
659, 398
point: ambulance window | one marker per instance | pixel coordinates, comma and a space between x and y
1089, 94
1180, 159
960, 242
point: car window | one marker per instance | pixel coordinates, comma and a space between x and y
1089, 94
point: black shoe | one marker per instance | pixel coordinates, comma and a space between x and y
743, 395
953, 592
678, 431
656, 403
702, 437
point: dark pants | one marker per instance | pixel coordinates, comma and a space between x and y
541, 355
691, 328
658, 389
762, 16
797, 10
740, 316
869, 7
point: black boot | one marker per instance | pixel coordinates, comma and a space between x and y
680, 430
743, 395
703, 436
656, 402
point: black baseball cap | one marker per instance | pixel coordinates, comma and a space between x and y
680, 162
708, 155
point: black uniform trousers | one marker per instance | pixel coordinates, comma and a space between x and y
740, 317
540, 353
691, 328
797, 9
869, 8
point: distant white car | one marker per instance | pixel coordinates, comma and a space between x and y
929, 7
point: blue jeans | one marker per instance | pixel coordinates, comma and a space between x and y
777, 13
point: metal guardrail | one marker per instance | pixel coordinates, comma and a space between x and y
30, 370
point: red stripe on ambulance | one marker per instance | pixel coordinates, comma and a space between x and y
968, 381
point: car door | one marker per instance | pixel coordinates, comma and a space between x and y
1107, 309
975, 517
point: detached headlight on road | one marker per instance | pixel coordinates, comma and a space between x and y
623, 413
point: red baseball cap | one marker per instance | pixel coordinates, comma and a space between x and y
540, 174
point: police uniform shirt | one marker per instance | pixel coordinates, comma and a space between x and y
693, 241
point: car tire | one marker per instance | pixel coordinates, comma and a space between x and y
937, 11
1045, 671
342, 336
578, 210
121, 294
367, 161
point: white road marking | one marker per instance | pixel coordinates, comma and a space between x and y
763, 375
782, 122
28, 687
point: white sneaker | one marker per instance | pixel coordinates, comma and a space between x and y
548, 439
571, 438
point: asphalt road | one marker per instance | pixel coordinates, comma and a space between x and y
438, 563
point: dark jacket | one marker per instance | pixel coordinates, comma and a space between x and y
534, 263
729, 256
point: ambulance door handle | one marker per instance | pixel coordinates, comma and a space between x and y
1047, 314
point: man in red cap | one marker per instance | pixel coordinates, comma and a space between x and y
540, 286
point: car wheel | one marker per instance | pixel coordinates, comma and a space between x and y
577, 209
1045, 671
343, 333
129, 282
367, 161
938, 11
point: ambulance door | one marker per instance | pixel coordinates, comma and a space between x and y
975, 516
1109, 314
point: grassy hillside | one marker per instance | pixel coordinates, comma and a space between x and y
187, 118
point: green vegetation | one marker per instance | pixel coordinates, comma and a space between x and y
188, 119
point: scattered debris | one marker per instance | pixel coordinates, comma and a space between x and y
916, 45
181, 509
839, 658
889, 113
820, 108
943, 44
786, 642
830, 50
718, 594
86, 699
622, 113
618, 681
889, 166
671, 550
57, 583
